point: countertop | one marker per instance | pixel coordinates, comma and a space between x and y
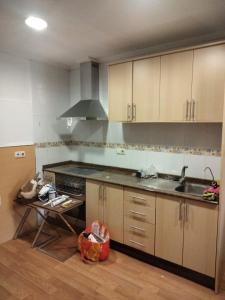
125, 178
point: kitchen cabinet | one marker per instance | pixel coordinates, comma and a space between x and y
104, 202
146, 79
139, 220
94, 202
200, 234
208, 84
120, 92
186, 86
175, 86
186, 233
134, 91
169, 229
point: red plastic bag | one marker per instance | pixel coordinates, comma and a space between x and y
94, 251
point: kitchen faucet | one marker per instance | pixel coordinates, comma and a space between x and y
210, 170
182, 176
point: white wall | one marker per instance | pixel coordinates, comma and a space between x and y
50, 95
181, 138
32, 96
15, 102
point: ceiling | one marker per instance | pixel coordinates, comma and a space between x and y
104, 29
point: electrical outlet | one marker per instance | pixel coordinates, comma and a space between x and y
20, 154
121, 152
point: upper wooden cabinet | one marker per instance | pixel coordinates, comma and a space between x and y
175, 86
146, 79
185, 86
134, 91
120, 92
208, 84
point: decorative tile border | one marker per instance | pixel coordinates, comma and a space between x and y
139, 147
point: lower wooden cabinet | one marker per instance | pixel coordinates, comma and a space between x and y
94, 202
200, 236
169, 229
186, 233
139, 220
178, 230
104, 202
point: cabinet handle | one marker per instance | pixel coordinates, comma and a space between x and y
104, 193
99, 192
193, 110
187, 110
180, 211
138, 199
137, 213
129, 116
136, 228
139, 244
134, 112
186, 212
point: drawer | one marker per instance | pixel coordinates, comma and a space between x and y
140, 236
139, 206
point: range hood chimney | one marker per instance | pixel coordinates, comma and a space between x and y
89, 107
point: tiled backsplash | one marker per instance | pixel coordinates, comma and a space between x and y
106, 154
138, 147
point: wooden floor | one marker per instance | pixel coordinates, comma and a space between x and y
27, 274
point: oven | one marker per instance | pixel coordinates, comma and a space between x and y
75, 187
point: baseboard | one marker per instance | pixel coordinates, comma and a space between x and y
165, 265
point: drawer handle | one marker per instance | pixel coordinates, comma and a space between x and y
139, 244
137, 213
136, 228
138, 199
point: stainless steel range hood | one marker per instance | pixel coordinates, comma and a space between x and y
89, 107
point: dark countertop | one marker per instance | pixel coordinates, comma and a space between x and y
124, 177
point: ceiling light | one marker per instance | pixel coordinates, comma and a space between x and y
36, 23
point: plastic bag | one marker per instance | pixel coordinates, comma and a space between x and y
93, 243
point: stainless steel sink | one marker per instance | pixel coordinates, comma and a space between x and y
159, 184
191, 188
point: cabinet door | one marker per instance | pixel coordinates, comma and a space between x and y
169, 229
175, 86
120, 92
94, 201
200, 233
113, 211
208, 83
146, 77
